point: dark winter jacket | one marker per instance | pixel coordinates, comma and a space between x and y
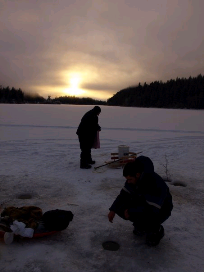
150, 196
88, 126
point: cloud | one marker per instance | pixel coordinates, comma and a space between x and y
110, 44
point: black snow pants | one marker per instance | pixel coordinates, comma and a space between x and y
144, 219
85, 146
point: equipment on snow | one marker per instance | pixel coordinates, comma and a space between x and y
118, 162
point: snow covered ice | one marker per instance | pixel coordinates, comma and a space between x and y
40, 157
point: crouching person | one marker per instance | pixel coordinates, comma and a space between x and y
145, 200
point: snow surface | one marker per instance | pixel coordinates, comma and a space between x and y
40, 156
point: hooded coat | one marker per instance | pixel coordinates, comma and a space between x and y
149, 198
88, 127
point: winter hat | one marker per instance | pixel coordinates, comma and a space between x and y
132, 168
97, 109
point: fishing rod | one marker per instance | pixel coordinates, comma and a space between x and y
132, 156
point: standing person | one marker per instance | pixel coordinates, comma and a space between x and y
145, 200
87, 133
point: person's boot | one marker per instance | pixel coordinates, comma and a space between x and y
153, 238
85, 166
92, 162
138, 232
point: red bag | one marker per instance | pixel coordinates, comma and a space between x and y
96, 143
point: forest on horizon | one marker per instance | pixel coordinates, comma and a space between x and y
179, 93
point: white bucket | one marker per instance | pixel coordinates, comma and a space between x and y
123, 151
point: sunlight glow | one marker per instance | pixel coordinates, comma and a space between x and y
74, 89
74, 83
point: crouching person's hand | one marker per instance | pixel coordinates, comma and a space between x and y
111, 215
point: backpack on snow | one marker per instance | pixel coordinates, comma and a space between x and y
57, 219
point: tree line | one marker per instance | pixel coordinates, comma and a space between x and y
78, 101
17, 96
179, 93
12, 95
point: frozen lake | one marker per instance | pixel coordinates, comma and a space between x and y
177, 134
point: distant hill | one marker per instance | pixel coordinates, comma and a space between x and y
179, 93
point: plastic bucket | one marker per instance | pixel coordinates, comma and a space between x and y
123, 151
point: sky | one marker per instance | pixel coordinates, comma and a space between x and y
95, 48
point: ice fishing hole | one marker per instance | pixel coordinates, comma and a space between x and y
24, 196
111, 245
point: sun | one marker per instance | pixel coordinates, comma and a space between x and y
74, 86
